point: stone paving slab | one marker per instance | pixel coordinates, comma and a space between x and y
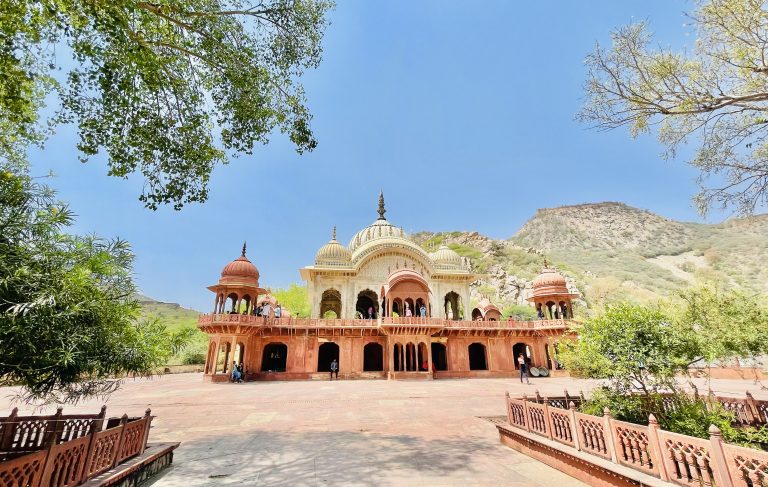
362, 432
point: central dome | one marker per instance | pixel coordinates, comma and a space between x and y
381, 228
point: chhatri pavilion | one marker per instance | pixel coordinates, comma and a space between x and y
382, 307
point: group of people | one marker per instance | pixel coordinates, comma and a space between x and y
238, 372
266, 310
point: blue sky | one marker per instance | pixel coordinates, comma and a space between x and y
462, 112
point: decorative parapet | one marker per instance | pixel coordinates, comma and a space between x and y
207, 320
658, 455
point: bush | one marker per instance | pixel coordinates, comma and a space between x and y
193, 358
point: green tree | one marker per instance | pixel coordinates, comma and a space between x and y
717, 92
167, 89
294, 299
69, 324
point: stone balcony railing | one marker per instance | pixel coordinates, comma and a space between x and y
259, 321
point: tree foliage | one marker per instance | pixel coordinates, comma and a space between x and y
294, 299
642, 348
167, 89
69, 323
717, 93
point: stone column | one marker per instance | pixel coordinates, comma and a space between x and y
429, 359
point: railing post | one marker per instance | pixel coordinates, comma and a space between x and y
53, 431
48, 465
720, 470
98, 423
608, 434
91, 446
574, 426
754, 413
509, 410
9, 431
547, 419
147, 423
525, 413
657, 452
123, 422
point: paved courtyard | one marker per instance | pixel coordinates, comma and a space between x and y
420, 433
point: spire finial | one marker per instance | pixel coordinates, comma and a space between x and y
333, 237
381, 205
243, 249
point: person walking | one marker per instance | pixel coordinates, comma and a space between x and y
335, 369
523, 369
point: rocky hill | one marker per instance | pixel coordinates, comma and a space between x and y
612, 251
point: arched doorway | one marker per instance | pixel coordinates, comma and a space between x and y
367, 304
274, 358
477, 314
232, 298
373, 357
439, 356
423, 360
410, 357
477, 357
525, 350
421, 304
398, 357
240, 354
327, 353
453, 306
397, 307
330, 301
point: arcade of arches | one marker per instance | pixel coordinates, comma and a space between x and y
383, 308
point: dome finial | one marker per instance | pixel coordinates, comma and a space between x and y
333, 236
243, 249
381, 205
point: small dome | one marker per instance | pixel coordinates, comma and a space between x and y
445, 256
240, 268
549, 282
333, 253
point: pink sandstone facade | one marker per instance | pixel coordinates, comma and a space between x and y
383, 308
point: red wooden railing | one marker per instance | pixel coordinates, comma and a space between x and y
71, 455
672, 457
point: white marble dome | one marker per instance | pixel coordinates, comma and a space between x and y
333, 253
445, 256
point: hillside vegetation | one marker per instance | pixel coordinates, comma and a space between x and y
612, 251
176, 318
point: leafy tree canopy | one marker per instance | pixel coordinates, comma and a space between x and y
644, 347
716, 93
69, 323
167, 89
294, 299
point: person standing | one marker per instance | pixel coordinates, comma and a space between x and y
523, 369
335, 369
423, 311
278, 311
408, 312
266, 310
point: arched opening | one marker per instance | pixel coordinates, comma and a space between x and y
408, 307
373, 357
397, 307
477, 314
222, 365
409, 357
367, 304
453, 306
327, 353
240, 354
517, 350
330, 301
477, 357
274, 358
245, 307
422, 309
398, 357
539, 311
565, 311
423, 361
552, 310
232, 298
209, 365
439, 357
